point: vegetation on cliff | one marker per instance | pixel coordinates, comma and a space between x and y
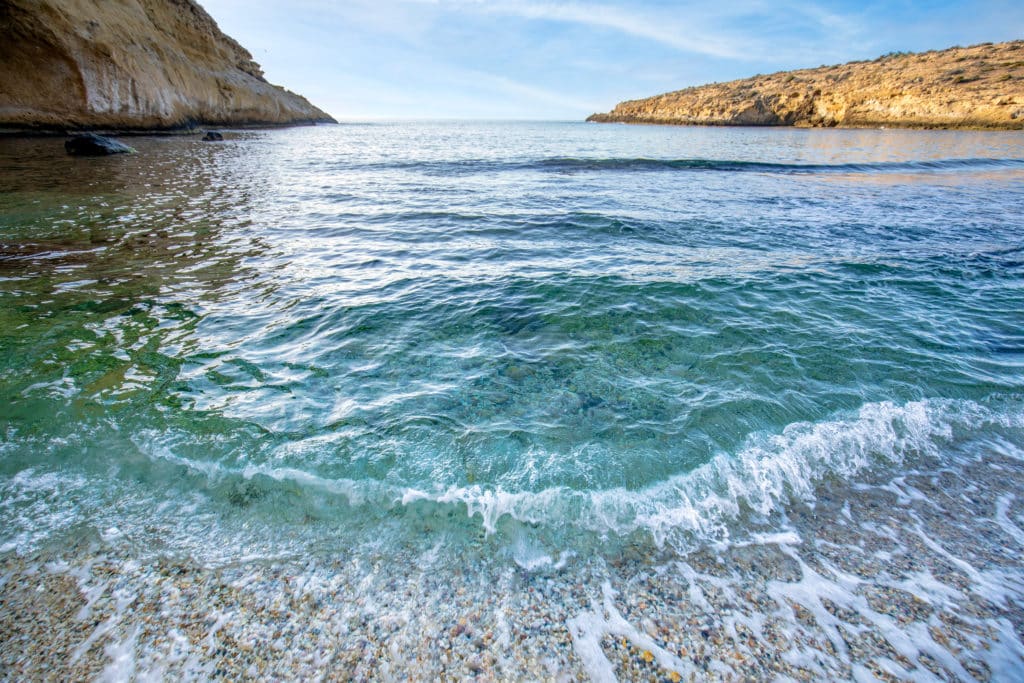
131, 65
974, 87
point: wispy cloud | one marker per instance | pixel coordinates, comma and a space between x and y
740, 30
686, 35
567, 58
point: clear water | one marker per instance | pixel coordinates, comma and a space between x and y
584, 336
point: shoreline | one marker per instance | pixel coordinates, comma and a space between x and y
195, 129
881, 125
916, 574
974, 87
500, 402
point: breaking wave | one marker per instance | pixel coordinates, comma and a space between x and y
640, 164
699, 505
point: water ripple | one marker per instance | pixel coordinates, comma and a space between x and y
587, 330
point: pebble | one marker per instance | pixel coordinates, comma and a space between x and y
734, 613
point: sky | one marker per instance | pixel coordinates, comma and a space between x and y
563, 60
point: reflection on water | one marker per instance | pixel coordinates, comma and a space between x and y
107, 264
439, 321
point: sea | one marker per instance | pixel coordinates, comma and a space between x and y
581, 361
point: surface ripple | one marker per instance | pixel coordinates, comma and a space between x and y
576, 329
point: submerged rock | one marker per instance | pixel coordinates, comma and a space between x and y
212, 136
92, 145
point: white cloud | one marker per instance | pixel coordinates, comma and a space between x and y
687, 35
555, 57
733, 30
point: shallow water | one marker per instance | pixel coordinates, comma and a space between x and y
533, 345
572, 331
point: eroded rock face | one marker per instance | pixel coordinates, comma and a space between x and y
974, 87
131, 64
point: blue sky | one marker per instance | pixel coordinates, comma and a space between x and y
553, 59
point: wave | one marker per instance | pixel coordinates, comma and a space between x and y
703, 504
575, 164
571, 163
766, 474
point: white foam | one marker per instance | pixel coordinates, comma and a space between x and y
767, 473
121, 666
1002, 518
34, 505
220, 619
909, 639
787, 537
529, 555
100, 631
1006, 661
588, 628
998, 586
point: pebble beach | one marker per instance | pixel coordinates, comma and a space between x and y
514, 402
920, 577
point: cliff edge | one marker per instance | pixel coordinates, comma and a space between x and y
131, 65
974, 87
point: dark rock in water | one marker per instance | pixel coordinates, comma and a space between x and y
212, 136
94, 145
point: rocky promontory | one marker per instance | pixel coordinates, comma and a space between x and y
131, 65
981, 86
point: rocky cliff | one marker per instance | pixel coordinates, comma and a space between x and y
131, 65
974, 87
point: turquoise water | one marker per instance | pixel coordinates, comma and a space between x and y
444, 333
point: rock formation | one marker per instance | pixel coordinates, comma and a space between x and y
131, 65
974, 87
92, 145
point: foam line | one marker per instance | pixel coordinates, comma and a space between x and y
588, 628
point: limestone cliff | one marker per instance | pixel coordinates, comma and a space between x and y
131, 65
974, 87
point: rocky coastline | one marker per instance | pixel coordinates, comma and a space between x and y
133, 66
977, 87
